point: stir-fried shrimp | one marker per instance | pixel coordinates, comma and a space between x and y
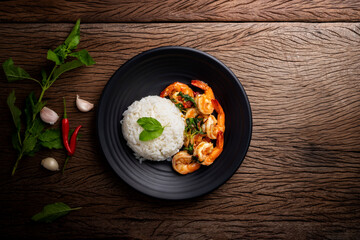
209, 127
203, 101
202, 150
207, 157
191, 113
195, 140
201, 125
173, 90
183, 163
212, 125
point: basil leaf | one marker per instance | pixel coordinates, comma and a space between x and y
84, 57
15, 141
37, 127
187, 98
44, 76
74, 37
150, 135
56, 144
29, 104
149, 123
14, 73
61, 52
67, 67
51, 138
50, 135
53, 211
15, 111
29, 143
52, 56
35, 150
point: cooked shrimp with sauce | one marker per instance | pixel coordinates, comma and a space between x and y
204, 133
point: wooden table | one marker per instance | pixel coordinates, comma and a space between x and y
299, 62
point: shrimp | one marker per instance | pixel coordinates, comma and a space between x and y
203, 101
206, 153
212, 125
191, 113
196, 140
183, 163
173, 90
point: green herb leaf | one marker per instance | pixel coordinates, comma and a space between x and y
15, 142
35, 150
56, 144
149, 123
181, 107
150, 135
44, 77
193, 126
67, 67
50, 135
52, 56
53, 211
29, 143
37, 127
14, 73
187, 98
84, 57
74, 37
15, 111
51, 138
190, 149
61, 52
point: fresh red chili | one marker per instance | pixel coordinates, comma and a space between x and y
73, 140
70, 148
65, 130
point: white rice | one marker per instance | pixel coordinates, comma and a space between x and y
163, 110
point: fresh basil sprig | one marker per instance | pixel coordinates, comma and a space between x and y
152, 128
30, 140
53, 211
187, 98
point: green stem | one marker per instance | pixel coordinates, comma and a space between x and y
42, 94
66, 161
16, 163
48, 82
77, 208
19, 138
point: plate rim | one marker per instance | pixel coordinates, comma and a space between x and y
177, 48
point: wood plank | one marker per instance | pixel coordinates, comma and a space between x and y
300, 179
179, 11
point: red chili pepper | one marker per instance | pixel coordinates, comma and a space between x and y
65, 134
73, 140
65, 130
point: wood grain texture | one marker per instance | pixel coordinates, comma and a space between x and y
179, 10
299, 180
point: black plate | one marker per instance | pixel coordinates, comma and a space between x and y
148, 74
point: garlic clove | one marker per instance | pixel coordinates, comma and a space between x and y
50, 164
82, 105
49, 116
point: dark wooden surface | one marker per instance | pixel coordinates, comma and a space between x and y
179, 10
301, 176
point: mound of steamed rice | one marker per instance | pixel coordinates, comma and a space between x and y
163, 110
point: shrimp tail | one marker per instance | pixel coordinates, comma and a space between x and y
199, 84
216, 151
221, 115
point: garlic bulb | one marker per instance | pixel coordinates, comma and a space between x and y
82, 105
50, 164
49, 116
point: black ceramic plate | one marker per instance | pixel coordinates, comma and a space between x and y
148, 74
